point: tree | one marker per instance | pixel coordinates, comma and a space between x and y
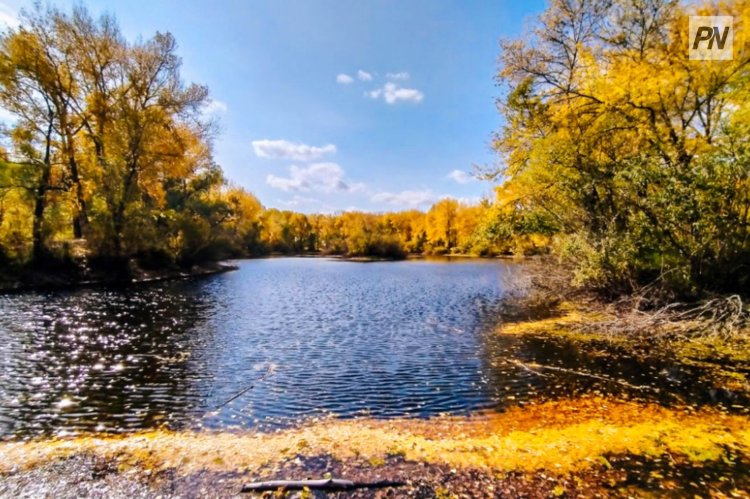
27, 89
110, 132
441, 224
627, 146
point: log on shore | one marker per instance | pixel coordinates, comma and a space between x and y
327, 484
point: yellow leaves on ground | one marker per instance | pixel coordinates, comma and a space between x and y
563, 324
561, 436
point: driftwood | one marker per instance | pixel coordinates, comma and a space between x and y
326, 484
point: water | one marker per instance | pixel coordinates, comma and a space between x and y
284, 340
310, 336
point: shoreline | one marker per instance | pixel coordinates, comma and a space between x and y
66, 278
63, 281
581, 446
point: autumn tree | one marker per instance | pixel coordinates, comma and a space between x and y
28, 89
107, 134
441, 224
628, 147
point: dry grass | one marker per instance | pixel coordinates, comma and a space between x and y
715, 331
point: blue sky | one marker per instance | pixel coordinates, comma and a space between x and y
332, 105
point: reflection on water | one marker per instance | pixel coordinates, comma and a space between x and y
101, 359
311, 337
284, 339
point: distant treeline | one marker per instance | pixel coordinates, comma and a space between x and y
449, 227
110, 157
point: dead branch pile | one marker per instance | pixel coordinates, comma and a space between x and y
726, 318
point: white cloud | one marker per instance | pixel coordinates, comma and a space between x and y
299, 200
460, 176
402, 75
344, 79
471, 200
306, 205
412, 199
364, 75
392, 93
283, 149
317, 177
8, 16
214, 108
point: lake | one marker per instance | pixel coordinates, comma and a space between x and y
278, 340
285, 340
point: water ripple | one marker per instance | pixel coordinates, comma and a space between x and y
312, 336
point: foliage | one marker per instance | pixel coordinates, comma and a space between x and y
110, 152
108, 144
558, 437
448, 227
637, 155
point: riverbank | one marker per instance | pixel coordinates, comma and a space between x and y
707, 344
582, 446
73, 276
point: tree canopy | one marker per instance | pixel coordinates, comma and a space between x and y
635, 155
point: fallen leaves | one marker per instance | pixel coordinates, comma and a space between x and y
559, 437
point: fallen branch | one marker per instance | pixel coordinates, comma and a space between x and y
327, 484
579, 373
520, 364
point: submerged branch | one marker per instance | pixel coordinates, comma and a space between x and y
237, 395
536, 367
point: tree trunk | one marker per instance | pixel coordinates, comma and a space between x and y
326, 484
39, 251
80, 219
118, 217
40, 203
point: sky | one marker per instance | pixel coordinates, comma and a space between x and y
325, 106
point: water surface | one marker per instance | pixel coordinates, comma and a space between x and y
284, 340
310, 336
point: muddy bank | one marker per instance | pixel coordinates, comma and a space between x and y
623, 476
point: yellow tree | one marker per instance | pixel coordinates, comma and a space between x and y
27, 90
441, 225
153, 103
615, 132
